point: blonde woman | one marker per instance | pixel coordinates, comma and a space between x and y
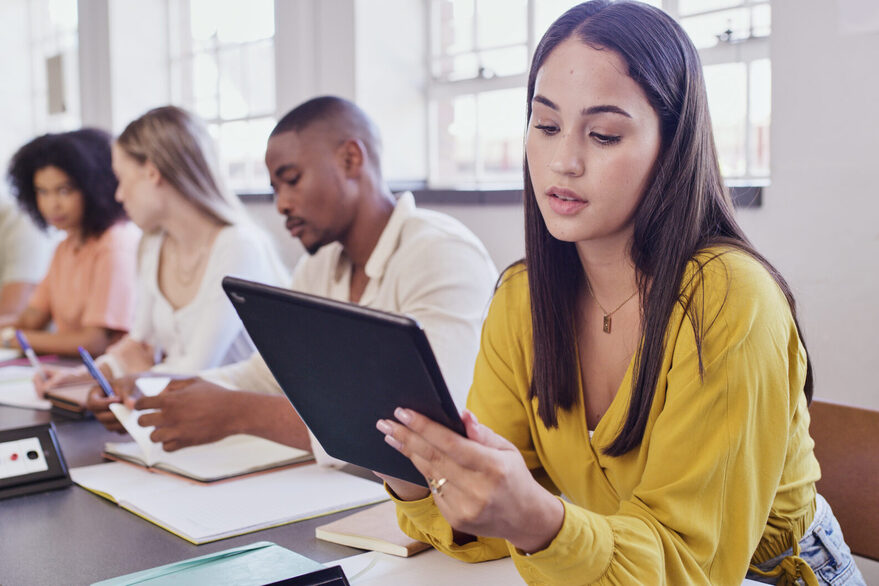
195, 233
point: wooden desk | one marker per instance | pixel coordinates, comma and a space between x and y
71, 536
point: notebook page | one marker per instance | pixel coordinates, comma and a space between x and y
128, 418
231, 456
141, 435
17, 388
202, 513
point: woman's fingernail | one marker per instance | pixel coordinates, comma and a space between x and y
403, 415
393, 442
383, 426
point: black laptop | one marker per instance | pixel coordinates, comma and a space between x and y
344, 367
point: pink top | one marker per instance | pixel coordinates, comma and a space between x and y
93, 285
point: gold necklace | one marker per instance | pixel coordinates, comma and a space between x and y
186, 275
607, 314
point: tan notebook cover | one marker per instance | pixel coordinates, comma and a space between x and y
375, 528
72, 398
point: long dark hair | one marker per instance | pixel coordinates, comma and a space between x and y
84, 155
685, 208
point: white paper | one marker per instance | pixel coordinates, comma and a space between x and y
202, 513
9, 354
17, 388
141, 435
152, 386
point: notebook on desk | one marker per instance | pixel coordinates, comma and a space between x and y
232, 456
17, 388
202, 513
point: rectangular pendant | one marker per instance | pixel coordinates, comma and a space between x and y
606, 327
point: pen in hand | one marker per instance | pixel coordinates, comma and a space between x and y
31, 355
96, 372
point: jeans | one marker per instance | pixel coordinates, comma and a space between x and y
823, 549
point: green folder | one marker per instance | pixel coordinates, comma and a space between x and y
260, 563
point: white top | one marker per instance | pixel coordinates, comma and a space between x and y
426, 265
25, 251
207, 331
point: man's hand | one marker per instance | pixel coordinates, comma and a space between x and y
126, 392
192, 411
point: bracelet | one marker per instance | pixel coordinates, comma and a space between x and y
7, 334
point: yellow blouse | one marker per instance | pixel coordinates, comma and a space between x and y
720, 455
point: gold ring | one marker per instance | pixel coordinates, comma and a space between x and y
436, 486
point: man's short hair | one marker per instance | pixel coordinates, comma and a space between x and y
342, 117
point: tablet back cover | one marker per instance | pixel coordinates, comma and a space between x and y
344, 367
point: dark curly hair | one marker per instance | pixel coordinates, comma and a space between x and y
84, 155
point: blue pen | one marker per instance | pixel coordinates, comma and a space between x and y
31, 355
96, 372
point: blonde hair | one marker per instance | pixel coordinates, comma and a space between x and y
178, 144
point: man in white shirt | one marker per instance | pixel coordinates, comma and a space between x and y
24, 257
363, 247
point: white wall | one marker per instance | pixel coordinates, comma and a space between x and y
820, 218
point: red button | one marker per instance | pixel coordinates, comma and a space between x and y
14, 457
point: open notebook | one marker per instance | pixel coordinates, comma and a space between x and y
201, 513
17, 388
231, 456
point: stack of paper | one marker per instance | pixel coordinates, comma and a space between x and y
203, 513
17, 388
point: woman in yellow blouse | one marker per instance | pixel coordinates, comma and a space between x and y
642, 385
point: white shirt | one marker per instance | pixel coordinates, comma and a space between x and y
24, 250
206, 332
426, 265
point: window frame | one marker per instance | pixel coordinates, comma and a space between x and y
181, 53
745, 190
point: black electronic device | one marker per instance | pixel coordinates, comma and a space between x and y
344, 367
31, 461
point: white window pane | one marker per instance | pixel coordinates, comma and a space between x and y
705, 31
501, 132
453, 26
233, 103
546, 12
242, 148
501, 22
761, 20
204, 77
260, 77
690, 6
63, 16
464, 66
456, 138
499, 62
727, 100
761, 115
232, 21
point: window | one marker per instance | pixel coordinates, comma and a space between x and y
54, 45
479, 53
223, 69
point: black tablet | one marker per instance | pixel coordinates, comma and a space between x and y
344, 367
